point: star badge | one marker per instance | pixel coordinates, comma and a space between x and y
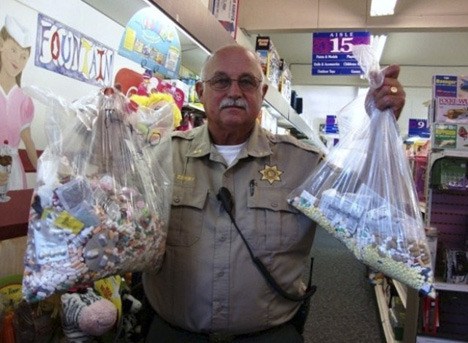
271, 174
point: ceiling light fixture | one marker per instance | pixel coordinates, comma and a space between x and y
382, 7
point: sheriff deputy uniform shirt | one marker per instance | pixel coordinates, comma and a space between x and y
208, 282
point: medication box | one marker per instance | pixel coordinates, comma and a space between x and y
451, 110
450, 86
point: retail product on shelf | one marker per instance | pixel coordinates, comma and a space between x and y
363, 194
444, 136
454, 86
99, 208
270, 59
450, 174
284, 86
456, 265
451, 110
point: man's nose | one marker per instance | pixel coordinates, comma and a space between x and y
234, 89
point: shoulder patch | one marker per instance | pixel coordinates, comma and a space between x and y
288, 139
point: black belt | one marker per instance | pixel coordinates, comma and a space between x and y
222, 338
226, 338
216, 337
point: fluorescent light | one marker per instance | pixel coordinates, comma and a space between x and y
382, 7
378, 44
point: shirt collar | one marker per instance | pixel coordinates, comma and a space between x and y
257, 144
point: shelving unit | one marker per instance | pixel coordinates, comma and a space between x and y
204, 28
409, 298
447, 211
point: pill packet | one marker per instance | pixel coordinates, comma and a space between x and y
101, 202
364, 195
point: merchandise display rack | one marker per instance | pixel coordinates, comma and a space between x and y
447, 211
204, 28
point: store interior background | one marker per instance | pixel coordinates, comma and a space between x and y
426, 37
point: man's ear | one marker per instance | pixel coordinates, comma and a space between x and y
199, 88
264, 90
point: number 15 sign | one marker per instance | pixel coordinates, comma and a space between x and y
332, 52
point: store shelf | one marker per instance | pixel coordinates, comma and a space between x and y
455, 287
383, 311
435, 155
203, 27
446, 211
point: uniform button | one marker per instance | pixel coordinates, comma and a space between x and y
274, 204
222, 238
220, 274
176, 200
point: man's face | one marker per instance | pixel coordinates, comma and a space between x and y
237, 106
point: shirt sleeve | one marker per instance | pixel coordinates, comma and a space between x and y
27, 112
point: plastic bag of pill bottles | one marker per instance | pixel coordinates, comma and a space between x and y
364, 195
101, 200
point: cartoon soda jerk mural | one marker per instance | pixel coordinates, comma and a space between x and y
16, 108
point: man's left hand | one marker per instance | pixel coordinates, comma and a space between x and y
390, 95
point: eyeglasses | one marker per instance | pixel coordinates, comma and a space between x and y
246, 83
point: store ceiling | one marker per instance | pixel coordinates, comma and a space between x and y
422, 35
439, 41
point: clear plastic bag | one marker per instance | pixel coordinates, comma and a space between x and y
364, 195
101, 202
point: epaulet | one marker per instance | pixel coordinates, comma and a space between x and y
182, 134
288, 139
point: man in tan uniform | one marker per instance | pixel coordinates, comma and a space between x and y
209, 289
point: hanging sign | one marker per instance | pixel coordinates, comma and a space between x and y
66, 51
331, 124
332, 52
226, 12
418, 128
151, 40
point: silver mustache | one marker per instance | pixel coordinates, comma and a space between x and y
229, 102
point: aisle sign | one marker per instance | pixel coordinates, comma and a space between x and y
332, 52
331, 124
418, 128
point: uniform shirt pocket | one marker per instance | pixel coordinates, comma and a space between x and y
277, 224
185, 224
